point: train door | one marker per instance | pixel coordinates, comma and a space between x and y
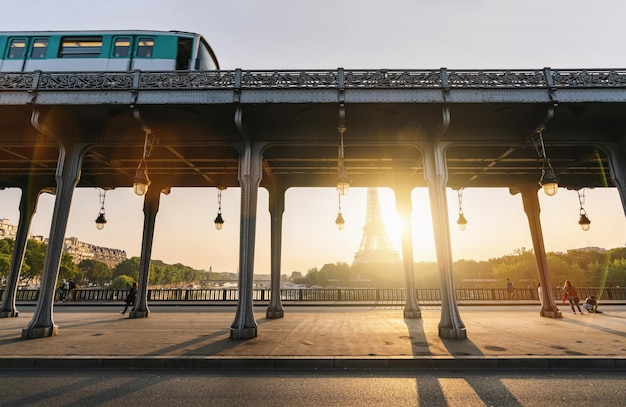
36, 57
14, 57
121, 54
144, 56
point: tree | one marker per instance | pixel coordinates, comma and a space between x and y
129, 267
521, 268
34, 256
122, 282
5, 266
95, 271
68, 269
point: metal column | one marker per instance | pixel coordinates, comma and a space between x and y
150, 209
277, 208
532, 209
435, 172
617, 164
28, 207
404, 208
244, 326
67, 176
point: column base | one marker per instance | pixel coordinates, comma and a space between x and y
139, 314
412, 313
270, 314
246, 333
9, 314
551, 314
451, 333
40, 332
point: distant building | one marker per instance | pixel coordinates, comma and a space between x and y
79, 250
588, 249
86, 251
7, 230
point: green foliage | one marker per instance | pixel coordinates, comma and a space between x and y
5, 266
128, 267
122, 282
34, 256
95, 271
520, 267
68, 269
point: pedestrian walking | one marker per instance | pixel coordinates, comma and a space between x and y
130, 298
71, 289
540, 294
570, 294
510, 289
62, 290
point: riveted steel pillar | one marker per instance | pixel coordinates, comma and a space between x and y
244, 326
277, 208
617, 164
532, 209
436, 174
404, 208
28, 206
68, 173
150, 209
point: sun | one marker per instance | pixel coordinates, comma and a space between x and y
393, 224
421, 224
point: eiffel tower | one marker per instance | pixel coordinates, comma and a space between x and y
375, 245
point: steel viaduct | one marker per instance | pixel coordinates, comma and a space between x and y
401, 129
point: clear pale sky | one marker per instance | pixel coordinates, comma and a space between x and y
359, 34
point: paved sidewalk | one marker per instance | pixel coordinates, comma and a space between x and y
346, 337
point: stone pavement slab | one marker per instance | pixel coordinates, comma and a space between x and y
312, 337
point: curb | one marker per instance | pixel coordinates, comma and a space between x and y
312, 363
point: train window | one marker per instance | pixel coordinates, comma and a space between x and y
72, 47
17, 48
40, 46
145, 46
121, 47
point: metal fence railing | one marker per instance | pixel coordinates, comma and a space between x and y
365, 295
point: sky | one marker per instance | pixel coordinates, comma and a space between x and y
357, 34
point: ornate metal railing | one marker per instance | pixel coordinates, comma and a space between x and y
360, 295
316, 79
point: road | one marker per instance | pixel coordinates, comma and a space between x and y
262, 388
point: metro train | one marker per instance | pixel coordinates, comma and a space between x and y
118, 51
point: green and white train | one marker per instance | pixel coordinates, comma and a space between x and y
85, 51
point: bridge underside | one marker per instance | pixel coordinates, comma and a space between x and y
492, 144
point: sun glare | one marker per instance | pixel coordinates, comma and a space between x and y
393, 223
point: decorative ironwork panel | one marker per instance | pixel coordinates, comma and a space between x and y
589, 78
87, 81
13, 81
188, 80
288, 79
393, 79
496, 79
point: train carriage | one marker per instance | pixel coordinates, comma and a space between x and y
83, 51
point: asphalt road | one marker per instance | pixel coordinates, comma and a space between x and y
389, 388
